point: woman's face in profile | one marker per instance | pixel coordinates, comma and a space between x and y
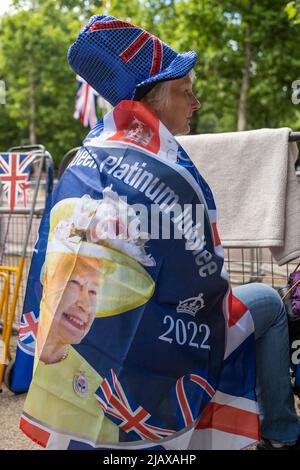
77, 308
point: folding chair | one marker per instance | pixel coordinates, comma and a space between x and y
68, 157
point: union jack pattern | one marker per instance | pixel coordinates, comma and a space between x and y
115, 403
28, 326
85, 107
14, 174
136, 45
53, 440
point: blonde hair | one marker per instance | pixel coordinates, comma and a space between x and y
158, 97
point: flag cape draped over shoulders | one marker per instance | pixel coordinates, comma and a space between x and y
168, 362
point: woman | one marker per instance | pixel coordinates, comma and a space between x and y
177, 371
174, 103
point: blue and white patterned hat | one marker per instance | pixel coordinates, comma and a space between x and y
122, 61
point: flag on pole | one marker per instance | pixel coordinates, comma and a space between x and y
193, 385
85, 107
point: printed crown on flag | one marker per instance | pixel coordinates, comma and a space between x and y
122, 61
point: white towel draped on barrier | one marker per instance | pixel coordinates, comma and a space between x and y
253, 179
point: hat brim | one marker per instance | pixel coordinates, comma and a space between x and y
178, 68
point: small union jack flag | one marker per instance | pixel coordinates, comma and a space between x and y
14, 174
136, 45
114, 402
85, 107
28, 327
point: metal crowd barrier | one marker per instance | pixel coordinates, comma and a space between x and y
246, 265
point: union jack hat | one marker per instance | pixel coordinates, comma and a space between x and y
122, 61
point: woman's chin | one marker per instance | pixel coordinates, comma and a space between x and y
184, 131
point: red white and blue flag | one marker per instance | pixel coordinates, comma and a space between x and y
131, 419
86, 103
14, 175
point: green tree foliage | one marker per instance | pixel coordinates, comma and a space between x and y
248, 60
40, 85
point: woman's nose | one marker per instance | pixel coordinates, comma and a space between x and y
196, 105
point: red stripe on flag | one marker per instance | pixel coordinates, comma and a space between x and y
229, 419
86, 95
216, 234
134, 47
106, 390
188, 417
157, 57
27, 160
4, 165
118, 390
203, 384
236, 309
38, 435
12, 179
